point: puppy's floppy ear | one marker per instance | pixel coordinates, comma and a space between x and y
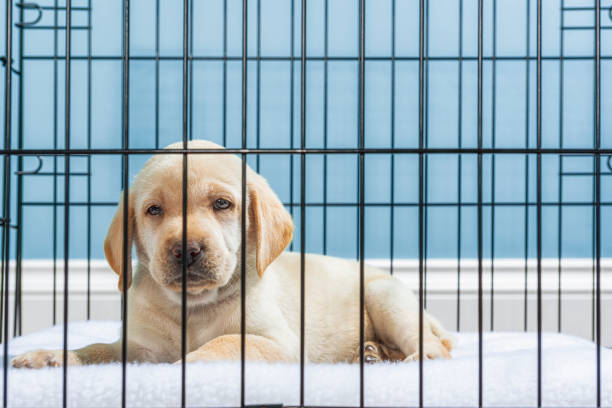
272, 224
113, 243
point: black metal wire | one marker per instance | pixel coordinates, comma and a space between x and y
480, 243
325, 116
356, 204
421, 190
89, 72
303, 69
157, 16
539, 193
55, 146
291, 110
66, 198
560, 192
315, 58
243, 208
493, 144
19, 238
190, 73
526, 190
598, 191
258, 87
426, 157
8, 46
126, 248
224, 73
459, 169
349, 150
362, 28
185, 128
392, 158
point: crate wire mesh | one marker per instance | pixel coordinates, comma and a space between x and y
478, 145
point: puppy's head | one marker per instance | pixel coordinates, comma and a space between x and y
214, 200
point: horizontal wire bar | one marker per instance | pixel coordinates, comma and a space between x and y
368, 204
585, 28
50, 173
63, 8
396, 150
584, 173
50, 27
236, 58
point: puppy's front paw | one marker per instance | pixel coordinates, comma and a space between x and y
44, 358
432, 348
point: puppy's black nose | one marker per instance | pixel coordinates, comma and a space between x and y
194, 252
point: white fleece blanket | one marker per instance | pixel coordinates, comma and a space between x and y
510, 376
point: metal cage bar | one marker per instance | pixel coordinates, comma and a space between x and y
421, 224
126, 248
539, 192
480, 239
481, 152
67, 113
597, 226
6, 213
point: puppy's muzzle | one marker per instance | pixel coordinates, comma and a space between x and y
194, 252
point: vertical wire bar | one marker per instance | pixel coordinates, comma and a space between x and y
157, 74
362, 17
426, 157
190, 76
258, 86
593, 255
184, 197
560, 192
325, 77
392, 166
54, 239
459, 157
527, 112
66, 198
479, 125
7, 190
539, 193
598, 190
89, 66
19, 238
224, 73
243, 208
291, 109
421, 190
493, 124
302, 203
126, 194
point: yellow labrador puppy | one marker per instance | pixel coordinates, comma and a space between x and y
214, 271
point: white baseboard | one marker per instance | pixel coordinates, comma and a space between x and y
441, 275
577, 283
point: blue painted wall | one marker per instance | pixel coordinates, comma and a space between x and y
509, 108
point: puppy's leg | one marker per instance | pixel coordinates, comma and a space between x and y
227, 347
98, 353
394, 312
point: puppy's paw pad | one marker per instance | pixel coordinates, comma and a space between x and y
38, 359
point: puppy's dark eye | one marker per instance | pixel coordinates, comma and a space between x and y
221, 204
154, 210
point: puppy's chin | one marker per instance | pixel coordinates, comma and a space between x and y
195, 296
199, 291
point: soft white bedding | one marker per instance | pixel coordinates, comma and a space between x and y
510, 376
